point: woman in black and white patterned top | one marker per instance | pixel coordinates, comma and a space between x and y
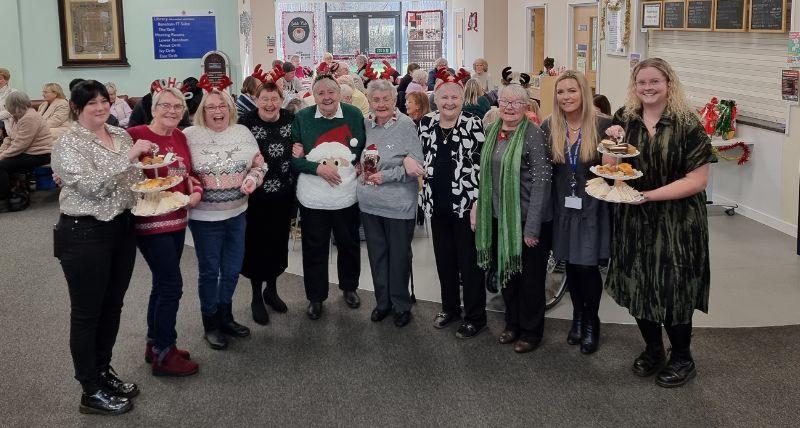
451, 146
270, 207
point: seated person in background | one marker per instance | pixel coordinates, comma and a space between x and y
491, 117
441, 62
298, 69
193, 100
246, 102
277, 63
417, 105
55, 109
5, 90
119, 107
480, 68
112, 120
417, 83
359, 100
534, 114
602, 105
347, 94
402, 85
474, 100
549, 67
292, 83
295, 105
27, 146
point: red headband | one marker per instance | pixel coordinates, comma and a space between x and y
388, 71
445, 77
369, 72
207, 86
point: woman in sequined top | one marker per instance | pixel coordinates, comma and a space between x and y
227, 161
95, 242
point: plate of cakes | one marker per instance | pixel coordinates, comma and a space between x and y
156, 161
622, 171
617, 149
152, 185
620, 192
160, 203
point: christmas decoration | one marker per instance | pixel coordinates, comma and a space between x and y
709, 116
726, 124
472, 22
741, 159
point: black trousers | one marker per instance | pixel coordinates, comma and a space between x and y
585, 289
389, 250
97, 258
18, 163
456, 256
680, 336
316, 226
524, 293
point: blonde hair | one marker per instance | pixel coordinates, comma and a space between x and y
5, 73
55, 87
677, 104
175, 93
419, 76
558, 121
480, 61
472, 91
491, 117
200, 120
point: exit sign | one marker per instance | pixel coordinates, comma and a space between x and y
383, 50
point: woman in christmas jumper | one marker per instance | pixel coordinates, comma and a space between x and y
161, 237
581, 224
226, 159
269, 210
659, 266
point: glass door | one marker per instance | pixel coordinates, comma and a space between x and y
374, 34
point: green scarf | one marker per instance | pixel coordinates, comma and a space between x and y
509, 222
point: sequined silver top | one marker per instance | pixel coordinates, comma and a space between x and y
96, 181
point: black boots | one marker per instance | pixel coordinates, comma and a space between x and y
260, 315
575, 332
213, 334
649, 361
679, 370
272, 299
228, 325
100, 402
114, 385
590, 334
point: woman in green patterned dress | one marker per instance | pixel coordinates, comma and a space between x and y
659, 255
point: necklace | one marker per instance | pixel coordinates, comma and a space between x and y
447, 135
573, 129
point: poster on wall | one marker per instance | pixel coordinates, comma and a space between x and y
183, 34
615, 31
424, 36
298, 31
793, 50
789, 85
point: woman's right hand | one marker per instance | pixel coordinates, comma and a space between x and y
616, 131
140, 147
413, 168
297, 150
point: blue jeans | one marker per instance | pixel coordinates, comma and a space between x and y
163, 252
220, 253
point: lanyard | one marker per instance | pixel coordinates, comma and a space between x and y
573, 157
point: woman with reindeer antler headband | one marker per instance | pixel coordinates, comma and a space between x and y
227, 161
451, 146
514, 216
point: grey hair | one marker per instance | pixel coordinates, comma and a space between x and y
346, 90
174, 91
110, 86
419, 76
17, 103
515, 90
440, 62
381, 85
294, 56
327, 81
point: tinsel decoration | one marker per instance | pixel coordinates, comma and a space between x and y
741, 159
726, 124
709, 116
615, 5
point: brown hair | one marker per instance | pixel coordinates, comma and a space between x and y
269, 87
422, 101
249, 85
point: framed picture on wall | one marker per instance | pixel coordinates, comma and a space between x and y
651, 15
92, 33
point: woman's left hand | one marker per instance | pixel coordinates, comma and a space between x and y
376, 178
473, 216
641, 201
248, 186
57, 180
297, 150
531, 242
194, 199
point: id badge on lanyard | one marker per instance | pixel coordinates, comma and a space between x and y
573, 201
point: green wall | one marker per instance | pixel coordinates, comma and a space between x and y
37, 55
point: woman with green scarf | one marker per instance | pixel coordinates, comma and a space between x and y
514, 215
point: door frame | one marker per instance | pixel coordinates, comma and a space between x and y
528, 47
571, 38
363, 26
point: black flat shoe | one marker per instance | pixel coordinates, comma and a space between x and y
314, 310
103, 403
444, 318
676, 373
352, 299
401, 319
115, 386
378, 314
648, 363
507, 336
468, 330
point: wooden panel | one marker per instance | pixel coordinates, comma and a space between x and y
582, 36
538, 20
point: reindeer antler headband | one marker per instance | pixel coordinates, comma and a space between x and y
206, 85
508, 77
444, 77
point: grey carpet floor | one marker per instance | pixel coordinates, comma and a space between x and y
347, 371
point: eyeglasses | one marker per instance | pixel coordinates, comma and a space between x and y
651, 83
170, 107
215, 108
515, 104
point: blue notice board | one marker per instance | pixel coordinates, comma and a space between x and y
183, 37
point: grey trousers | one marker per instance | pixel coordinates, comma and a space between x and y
389, 248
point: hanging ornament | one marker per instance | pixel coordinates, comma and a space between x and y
741, 159
726, 124
472, 22
709, 116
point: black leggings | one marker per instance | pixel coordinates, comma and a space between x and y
585, 289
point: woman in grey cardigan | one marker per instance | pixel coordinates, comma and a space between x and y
387, 197
514, 214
